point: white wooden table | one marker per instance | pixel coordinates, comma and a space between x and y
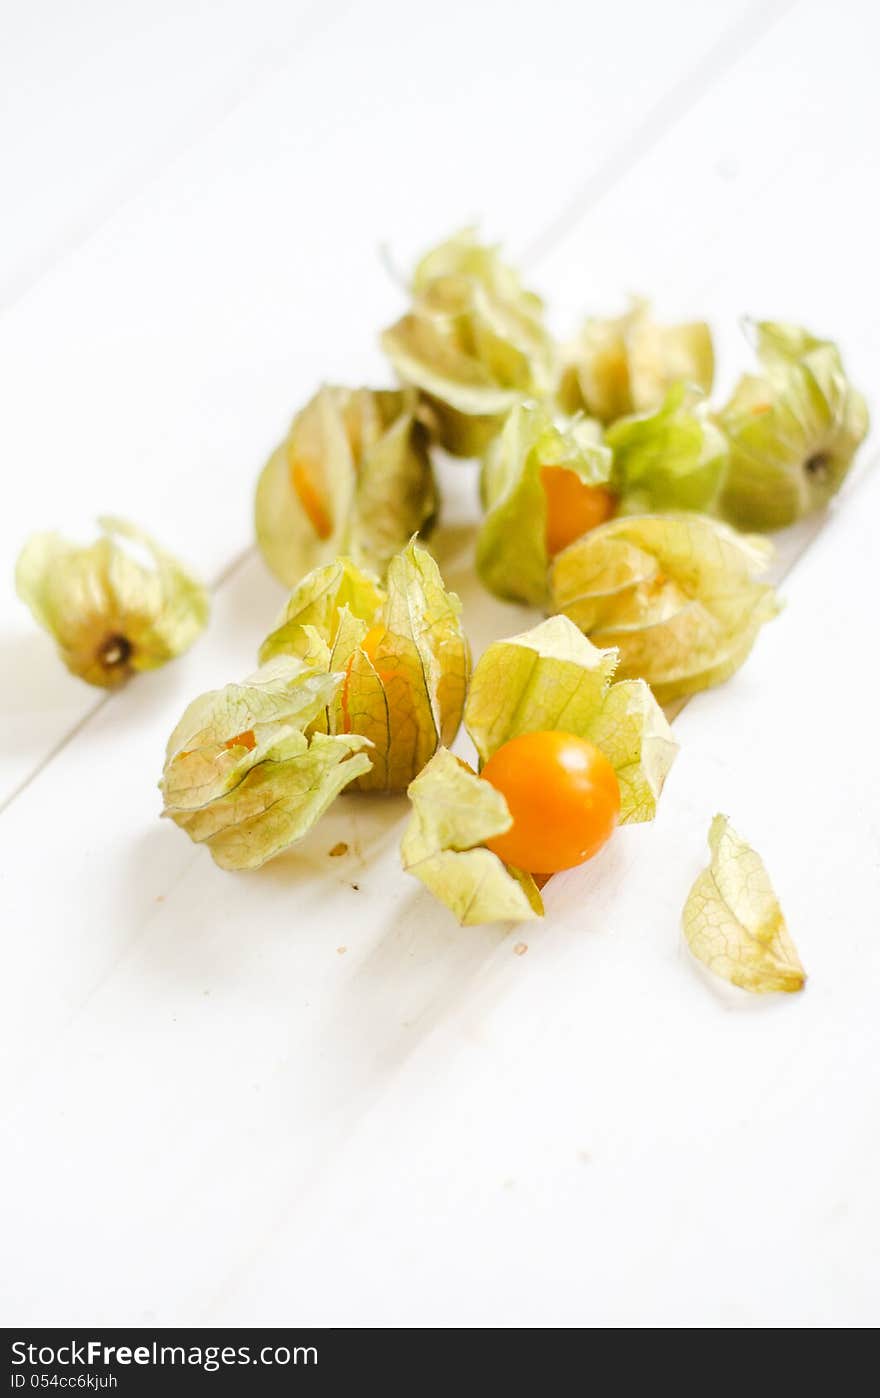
305, 1096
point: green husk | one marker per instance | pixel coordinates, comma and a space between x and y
109, 613
732, 920
793, 429
400, 648
353, 476
679, 596
244, 776
473, 342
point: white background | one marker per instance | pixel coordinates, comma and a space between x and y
209, 1112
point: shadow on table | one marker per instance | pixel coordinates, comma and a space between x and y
40, 704
418, 975
486, 618
34, 680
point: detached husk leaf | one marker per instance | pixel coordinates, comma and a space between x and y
454, 813
733, 922
677, 595
400, 649
671, 459
553, 678
628, 364
242, 774
512, 556
353, 476
473, 342
793, 429
110, 613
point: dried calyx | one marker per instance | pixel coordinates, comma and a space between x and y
119, 605
247, 773
550, 679
793, 429
680, 595
472, 343
399, 648
353, 476
628, 364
